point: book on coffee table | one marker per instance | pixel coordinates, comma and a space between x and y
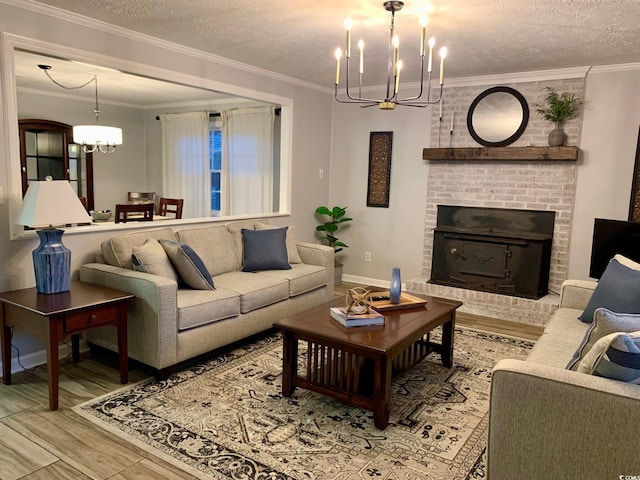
356, 320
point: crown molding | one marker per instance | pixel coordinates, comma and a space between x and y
105, 27
620, 67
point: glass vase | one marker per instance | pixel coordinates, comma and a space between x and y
395, 288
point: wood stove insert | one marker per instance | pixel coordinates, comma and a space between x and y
498, 250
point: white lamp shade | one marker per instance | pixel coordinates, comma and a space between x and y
97, 135
51, 203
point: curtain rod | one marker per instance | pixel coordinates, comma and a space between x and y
217, 114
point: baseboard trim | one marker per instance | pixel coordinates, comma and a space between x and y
35, 359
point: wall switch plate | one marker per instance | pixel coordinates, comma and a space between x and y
321, 174
367, 256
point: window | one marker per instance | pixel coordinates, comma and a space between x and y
215, 166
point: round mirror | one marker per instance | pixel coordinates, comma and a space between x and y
497, 117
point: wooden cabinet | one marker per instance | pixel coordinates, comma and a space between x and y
47, 149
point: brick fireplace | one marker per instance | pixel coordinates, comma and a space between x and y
524, 185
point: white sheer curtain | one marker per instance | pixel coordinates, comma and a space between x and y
185, 161
248, 160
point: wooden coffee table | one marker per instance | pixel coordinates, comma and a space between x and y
356, 365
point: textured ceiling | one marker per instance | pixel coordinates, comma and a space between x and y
298, 38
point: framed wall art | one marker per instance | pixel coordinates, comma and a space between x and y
379, 178
634, 204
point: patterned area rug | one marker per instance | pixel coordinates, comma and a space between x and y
226, 418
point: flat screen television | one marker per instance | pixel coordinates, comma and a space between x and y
611, 237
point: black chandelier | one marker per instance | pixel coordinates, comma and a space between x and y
394, 68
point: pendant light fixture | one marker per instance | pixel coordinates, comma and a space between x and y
394, 68
92, 137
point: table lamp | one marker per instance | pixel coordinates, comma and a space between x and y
49, 203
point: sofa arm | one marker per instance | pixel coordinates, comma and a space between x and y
549, 423
152, 314
576, 293
315, 254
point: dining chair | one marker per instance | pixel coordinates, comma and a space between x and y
170, 205
141, 212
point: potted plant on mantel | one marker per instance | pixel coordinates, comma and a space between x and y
558, 108
336, 217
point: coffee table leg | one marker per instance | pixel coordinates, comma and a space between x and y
289, 362
382, 392
447, 341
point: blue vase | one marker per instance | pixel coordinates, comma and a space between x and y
395, 288
52, 262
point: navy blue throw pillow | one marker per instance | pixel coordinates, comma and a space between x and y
265, 250
618, 290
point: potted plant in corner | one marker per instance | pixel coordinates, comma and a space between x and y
558, 108
334, 218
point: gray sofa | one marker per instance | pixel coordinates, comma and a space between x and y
169, 324
547, 422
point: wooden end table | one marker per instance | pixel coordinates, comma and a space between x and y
356, 365
84, 307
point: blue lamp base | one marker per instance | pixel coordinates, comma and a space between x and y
52, 262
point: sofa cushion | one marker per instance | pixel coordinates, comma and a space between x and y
264, 250
201, 307
151, 258
215, 247
302, 278
189, 265
604, 323
292, 243
118, 249
618, 290
557, 345
256, 289
615, 356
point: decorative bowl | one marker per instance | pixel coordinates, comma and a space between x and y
101, 215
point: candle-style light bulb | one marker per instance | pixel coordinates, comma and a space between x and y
361, 48
443, 55
348, 25
398, 68
432, 43
338, 56
424, 20
396, 53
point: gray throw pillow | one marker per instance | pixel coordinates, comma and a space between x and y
618, 290
151, 258
264, 250
189, 265
615, 356
605, 322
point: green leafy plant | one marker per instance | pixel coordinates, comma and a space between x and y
558, 107
336, 217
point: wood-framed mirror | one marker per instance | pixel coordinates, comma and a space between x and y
498, 117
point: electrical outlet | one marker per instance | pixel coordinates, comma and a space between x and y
367, 256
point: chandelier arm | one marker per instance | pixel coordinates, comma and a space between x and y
409, 103
417, 97
348, 93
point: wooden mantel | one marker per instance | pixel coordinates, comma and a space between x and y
543, 154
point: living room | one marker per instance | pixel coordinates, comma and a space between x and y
334, 139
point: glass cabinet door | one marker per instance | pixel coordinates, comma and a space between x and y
47, 149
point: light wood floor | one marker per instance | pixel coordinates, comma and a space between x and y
37, 444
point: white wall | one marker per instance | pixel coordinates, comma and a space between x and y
609, 137
310, 143
394, 235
